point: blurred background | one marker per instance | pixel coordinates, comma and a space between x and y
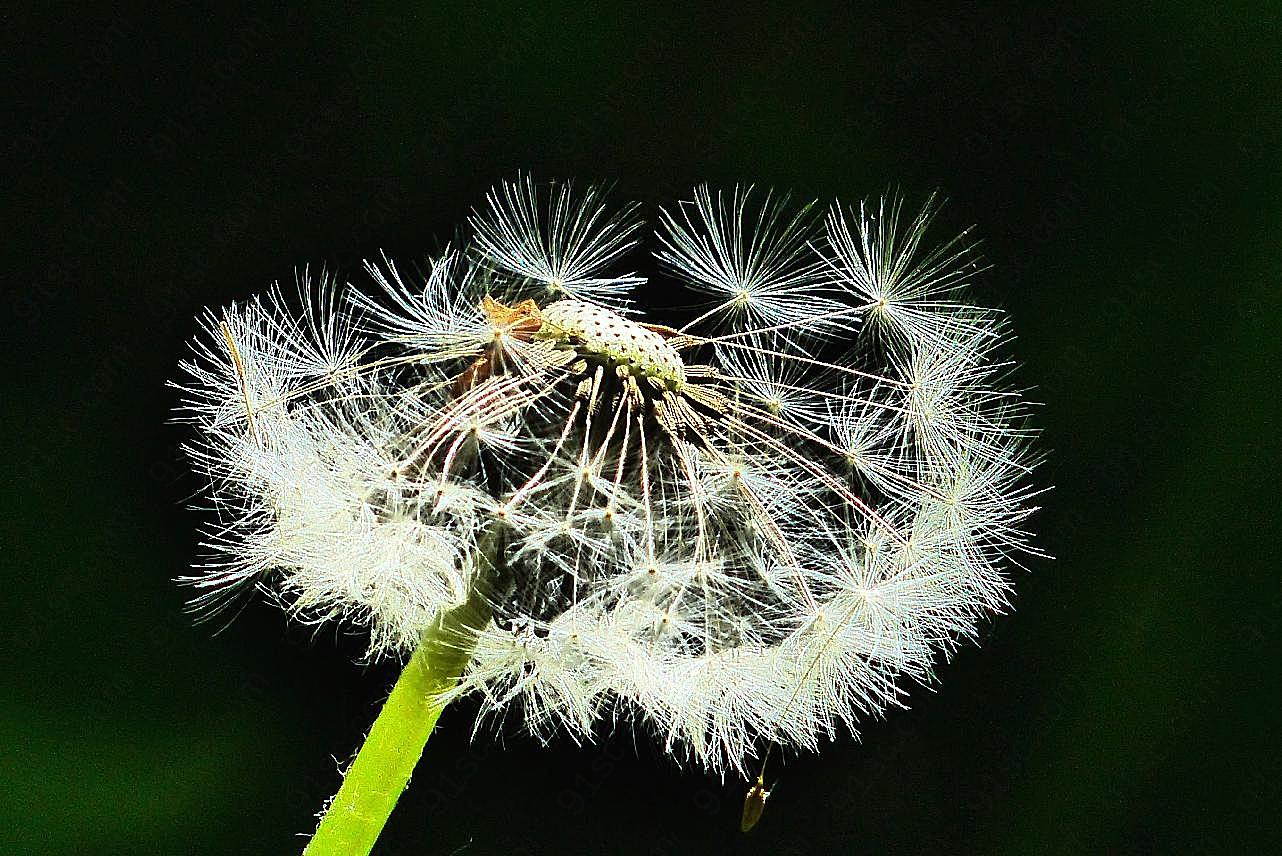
1122, 165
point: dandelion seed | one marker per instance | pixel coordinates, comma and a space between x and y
557, 240
907, 296
754, 804
752, 257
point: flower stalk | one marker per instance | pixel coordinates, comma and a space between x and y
381, 770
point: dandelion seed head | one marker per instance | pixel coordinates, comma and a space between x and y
755, 529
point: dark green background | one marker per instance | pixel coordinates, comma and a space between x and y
1123, 166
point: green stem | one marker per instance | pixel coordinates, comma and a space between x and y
382, 768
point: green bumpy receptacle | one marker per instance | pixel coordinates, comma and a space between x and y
608, 336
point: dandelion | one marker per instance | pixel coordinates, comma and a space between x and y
739, 533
